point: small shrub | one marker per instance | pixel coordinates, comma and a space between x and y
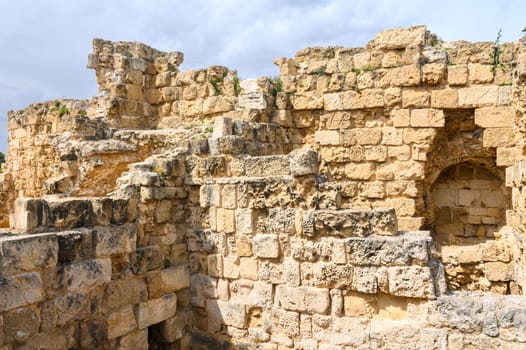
237, 86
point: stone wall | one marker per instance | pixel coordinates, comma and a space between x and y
357, 201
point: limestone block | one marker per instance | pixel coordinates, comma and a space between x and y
29, 214
392, 136
409, 75
507, 156
229, 198
498, 137
495, 117
28, 253
282, 322
243, 245
400, 117
201, 288
84, 275
282, 221
248, 268
227, 313
444, 98
222, 127
303, 299
307, 100
374, 189
341, 331
155, 310
303, 162
359, 305
372, 98
120, 293
210, 196
361, 136
495, 251
419, 135
457, 75
252, 100
136, 340
277, 165
174, 328
231, 267
426, 118
20, 290
330, 275
479, 96
327, 137
498, 271
399, 38
175, 278
215, 265
505, 95
333, 101
266, 246
392, 96
480, 73
230, 144
21, 324
399, 152
385, 250
121, 322
282, 117
359, 171
464, 254
411, 282
225, 220
218, 104
286, 66
147, 259
70, 212
245, 221
115, 240
434, 73
349, 222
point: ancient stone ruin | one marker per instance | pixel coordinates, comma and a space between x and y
367, 198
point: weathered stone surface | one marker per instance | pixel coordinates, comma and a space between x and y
349, 223
121, 322
20, 290
266, 246
399, 38
20, 325
175, 278
87, 274
30, 253
303, 162
412, 282
303, 299
380, 250
155, 310
115, 240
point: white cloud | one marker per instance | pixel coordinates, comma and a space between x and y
44, 45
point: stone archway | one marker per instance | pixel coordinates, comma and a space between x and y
469, 204
466, 201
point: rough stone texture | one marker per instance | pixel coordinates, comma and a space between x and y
191, 209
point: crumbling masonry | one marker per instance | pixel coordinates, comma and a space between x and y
368, 198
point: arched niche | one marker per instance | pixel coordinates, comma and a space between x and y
469, 202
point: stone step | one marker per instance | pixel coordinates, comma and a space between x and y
39, 214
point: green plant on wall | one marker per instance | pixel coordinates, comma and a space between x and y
496, 52
237, 86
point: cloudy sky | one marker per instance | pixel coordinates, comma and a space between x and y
44, 44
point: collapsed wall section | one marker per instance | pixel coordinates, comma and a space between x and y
294, 220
